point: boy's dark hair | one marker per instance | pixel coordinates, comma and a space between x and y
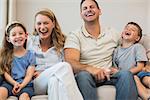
92, 0
139, 29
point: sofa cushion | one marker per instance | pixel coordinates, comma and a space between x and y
12, 98
40, 97
106, 92
145, 42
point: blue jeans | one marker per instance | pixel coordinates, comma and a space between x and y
123, 81
1, 79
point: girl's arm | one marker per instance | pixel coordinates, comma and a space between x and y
28, 77
138, 68
9, 79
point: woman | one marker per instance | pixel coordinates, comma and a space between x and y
52, 76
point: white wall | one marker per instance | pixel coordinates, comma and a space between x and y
148, 17
116, 13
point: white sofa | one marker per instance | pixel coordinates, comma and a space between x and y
105, 92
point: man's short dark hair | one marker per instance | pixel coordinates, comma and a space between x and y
92, 0
139, 29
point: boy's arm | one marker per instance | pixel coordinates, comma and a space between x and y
147, 68
29, 75
9, 78
138, 68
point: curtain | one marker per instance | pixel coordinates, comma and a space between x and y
8, 14
3, 18
11, 10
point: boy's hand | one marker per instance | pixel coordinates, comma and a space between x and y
107, 73
114, 70
146, 68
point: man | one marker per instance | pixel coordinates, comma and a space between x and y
89, 50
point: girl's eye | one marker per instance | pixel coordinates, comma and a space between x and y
21, 33
13, 34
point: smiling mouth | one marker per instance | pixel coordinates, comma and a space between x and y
127, 33
90, 13
43, 31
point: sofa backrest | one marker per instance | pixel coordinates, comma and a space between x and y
145, 41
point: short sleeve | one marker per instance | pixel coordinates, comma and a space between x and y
72, 41
141, 53
32, 58
114, 58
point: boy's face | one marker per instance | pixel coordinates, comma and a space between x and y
130, 33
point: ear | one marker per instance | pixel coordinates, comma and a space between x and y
138, 38
100, 11
26, 35
7, 38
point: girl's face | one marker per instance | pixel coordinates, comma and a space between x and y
130, 33
44, 26
17, 36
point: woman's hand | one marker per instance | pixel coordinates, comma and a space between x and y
36, 74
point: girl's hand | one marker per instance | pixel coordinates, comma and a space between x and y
19, 88
15, 88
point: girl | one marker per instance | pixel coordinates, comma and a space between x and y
16, 63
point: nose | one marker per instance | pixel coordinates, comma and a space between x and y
42, 26
18, 35
88, 9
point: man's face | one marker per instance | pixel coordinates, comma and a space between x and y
89, 11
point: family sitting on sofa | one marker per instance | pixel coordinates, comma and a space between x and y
73, 67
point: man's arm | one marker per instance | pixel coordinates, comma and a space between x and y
73, 57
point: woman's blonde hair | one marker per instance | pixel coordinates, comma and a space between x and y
6, 53
57, 36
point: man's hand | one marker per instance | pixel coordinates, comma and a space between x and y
98, 73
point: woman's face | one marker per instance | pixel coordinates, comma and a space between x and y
43, 26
